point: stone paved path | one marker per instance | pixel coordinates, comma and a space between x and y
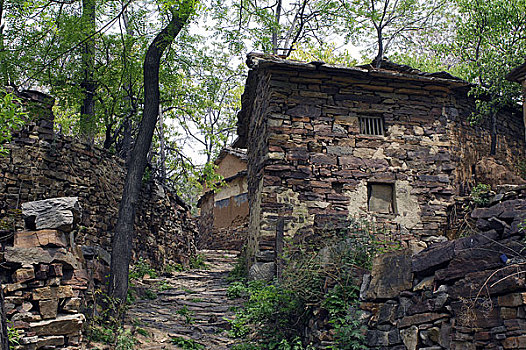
194, 307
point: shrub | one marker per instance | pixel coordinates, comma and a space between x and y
326, 278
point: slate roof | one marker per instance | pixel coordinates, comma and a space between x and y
258, 61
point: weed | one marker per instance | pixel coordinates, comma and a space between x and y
105, 322
187, 344
142, 332
480, 195
169, 269
125, 340
141, 269
163, 285
102, 334
188, 291
198, 262
197, 300
184, 311
237, 290
13, 335
239, 272
311, 279
150, 294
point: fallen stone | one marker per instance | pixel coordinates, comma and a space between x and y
62, 325
390, 275
513, 299
48, 308
42, 238
410, 337
13, 287
47, 293
91, 252
28, 340
33, 256
421, 318
23, 275
72, 305
433, 257
57, 340
55, 213
262, 271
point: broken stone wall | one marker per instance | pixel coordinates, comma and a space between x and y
309, 160
45, 277
41, 165
465, 294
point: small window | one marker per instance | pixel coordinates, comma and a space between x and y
371, 126
381, 198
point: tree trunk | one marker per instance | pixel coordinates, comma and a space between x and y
122, 239
275, 31
162, 150
87, 110
4, 340
380, 54
3, 58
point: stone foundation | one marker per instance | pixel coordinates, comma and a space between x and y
464, 294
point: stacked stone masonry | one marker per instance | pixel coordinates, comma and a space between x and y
464, 294
323, 140
41, 164
45, 277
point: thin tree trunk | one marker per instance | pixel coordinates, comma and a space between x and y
162, 151
87, 110
3, 58
380, 55
4, 340
122, 239
275, 31
126, 140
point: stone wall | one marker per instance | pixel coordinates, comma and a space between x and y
464, 294
41, 165
45, 277
309, 160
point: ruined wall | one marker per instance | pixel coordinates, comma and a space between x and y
465, 294
41, 165
224, 213
45, 277
310, 161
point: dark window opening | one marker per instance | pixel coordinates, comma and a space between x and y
372, 126
337, 187
381, 198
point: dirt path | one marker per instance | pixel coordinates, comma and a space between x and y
194, 307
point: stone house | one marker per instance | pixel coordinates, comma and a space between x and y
224, 214
392, 146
